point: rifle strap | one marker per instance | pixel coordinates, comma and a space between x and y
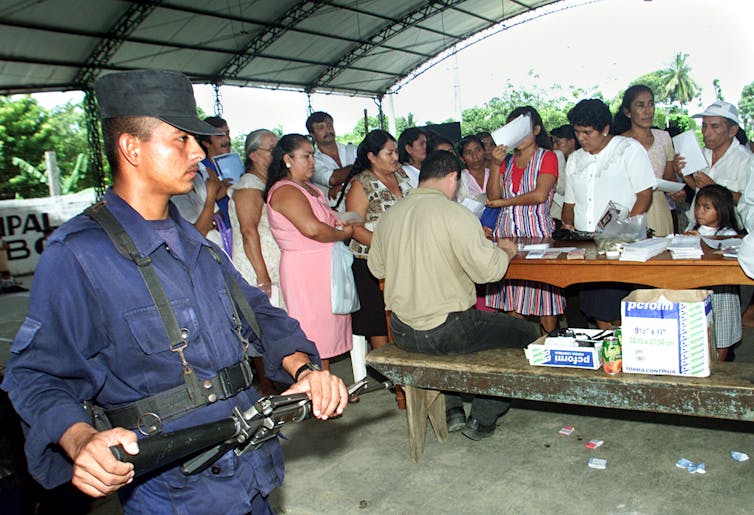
147, 414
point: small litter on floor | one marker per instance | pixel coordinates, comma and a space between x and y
566, 430
593, 444
598, 463
739, 456
691, 467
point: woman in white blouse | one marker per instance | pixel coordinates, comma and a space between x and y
606, 168
475, 176
412, 149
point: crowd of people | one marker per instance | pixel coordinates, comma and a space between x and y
431, 217
562, 178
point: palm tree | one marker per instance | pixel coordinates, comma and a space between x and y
679, 85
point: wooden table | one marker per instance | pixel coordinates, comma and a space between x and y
660, 272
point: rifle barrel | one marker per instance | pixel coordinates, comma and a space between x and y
167, 448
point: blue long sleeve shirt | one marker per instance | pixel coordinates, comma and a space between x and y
93, 333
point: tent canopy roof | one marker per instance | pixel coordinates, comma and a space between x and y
357, 47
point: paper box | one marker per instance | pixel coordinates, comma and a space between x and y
667, 332
564, 355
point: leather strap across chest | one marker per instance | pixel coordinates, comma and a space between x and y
147, 414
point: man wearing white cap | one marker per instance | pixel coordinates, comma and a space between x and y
729, 162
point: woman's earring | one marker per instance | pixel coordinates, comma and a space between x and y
287, 165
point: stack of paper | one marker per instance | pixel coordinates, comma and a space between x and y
644, 250
686, 247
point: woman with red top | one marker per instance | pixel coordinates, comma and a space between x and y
524, 191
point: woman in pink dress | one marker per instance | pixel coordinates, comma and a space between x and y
305, 229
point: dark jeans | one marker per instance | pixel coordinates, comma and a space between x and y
465, 332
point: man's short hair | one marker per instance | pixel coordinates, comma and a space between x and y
139, 126
439, 164
215, 121
316, 117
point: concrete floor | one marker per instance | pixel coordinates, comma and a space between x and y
360, 462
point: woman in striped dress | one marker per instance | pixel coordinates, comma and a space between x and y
524, 190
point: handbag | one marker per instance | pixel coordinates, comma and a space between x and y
343, 296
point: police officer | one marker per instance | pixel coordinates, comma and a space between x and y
95, 335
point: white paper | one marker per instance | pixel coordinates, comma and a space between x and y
730, 243
687, 145
348, 217
668, 186
513, 133
475, 207
536, 246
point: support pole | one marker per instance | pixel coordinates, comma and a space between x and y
91, 111
53, 177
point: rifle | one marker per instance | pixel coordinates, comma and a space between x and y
243, 431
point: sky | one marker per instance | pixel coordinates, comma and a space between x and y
600, 43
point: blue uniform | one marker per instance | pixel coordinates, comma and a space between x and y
93, 333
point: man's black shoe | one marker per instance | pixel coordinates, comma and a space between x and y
456, 419
476, 431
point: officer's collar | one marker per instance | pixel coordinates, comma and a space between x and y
145, 238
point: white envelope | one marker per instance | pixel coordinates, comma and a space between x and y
513, 133
687, 145
668, 186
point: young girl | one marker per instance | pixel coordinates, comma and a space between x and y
716, 217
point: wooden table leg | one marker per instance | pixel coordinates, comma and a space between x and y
420, 405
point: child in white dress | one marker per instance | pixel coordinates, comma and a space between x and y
716, 217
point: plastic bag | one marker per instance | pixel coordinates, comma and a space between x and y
616, 227
343, 296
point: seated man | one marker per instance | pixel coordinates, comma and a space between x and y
431, 251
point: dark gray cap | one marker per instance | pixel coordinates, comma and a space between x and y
161, 94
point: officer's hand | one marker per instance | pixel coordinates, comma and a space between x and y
327, 392
96, 472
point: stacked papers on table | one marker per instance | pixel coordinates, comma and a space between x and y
644, 250
730, 243
686, 247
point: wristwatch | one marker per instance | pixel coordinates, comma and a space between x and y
305, 367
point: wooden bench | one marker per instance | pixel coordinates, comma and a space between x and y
728, 393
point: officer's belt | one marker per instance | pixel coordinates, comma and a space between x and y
147, 414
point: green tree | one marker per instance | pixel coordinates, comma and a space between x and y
718, 89
27, 130
746, 108
553, 106
679, 86
655, 82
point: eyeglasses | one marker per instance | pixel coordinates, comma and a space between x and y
265, 149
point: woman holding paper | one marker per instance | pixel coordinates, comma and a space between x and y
474, 177
634, 119
524, 190
412, 149
606, 168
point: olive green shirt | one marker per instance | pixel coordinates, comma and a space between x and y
431, 251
